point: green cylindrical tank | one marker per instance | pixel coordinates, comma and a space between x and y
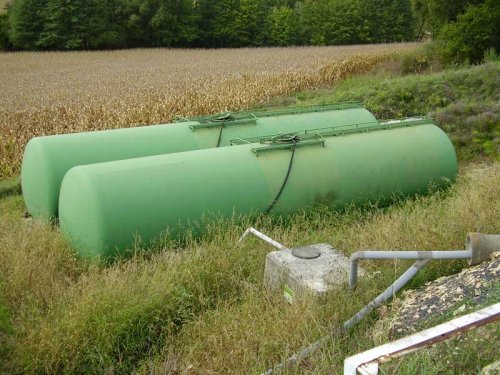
103, 207
47, 159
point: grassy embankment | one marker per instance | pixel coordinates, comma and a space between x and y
201, 308
465, 102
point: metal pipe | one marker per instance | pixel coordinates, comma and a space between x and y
448, 254
263, 237
297, 357
381, 298
388, 293
479, 248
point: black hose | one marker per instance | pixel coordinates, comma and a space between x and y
285, 180
220, 135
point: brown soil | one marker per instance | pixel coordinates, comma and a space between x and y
457, 293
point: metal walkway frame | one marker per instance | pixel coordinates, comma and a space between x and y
367, 363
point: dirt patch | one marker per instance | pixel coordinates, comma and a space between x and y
456, 293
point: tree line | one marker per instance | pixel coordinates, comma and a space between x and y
109, 24
463, 30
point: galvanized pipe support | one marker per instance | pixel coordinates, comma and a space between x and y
388, 293
263, 237
353, 260
381, 298
479, 248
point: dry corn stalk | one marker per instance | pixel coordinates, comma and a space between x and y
53, 93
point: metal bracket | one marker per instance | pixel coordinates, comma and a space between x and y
271, 112
223, 123
287, 146
287, 141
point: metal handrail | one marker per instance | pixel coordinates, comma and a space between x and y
368, 362
271, 112
334, 131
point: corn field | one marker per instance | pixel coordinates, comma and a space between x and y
52, 93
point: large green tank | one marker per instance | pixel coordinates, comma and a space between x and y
103, 207
47, 159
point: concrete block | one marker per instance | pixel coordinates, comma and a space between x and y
298, 275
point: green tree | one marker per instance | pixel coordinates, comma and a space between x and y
4, 31
110, 24
174, 23
331, 21
204, 14
26, 23
222, 26
135, 21
404, 22
250, 23
385, 21
237, 23
95, 24
434, 14
282, 26
301, 35
76, 24
471, 35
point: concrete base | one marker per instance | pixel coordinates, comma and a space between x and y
297, 275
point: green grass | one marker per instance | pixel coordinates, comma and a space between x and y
9, 187
466, 354
203, 304
5, 328
200, 308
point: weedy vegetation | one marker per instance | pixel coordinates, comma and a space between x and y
464, 102
200, 307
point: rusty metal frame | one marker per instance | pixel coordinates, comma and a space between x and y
367, 362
